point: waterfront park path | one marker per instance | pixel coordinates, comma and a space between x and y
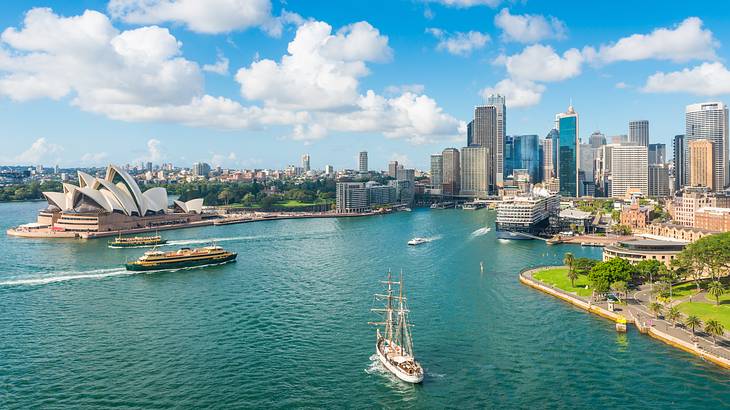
636, 311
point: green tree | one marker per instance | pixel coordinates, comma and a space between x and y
716, 289
709, 254
692, 322
603, 274
622, 229
225, 196
568, 260
268, 202
670, 276
620, 288
673, 314
248, 199
714, 329
656, 308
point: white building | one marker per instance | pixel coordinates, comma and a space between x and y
709, 121
363, 162
475, 171
629, 170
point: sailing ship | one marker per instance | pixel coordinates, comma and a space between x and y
136, 241
394, 346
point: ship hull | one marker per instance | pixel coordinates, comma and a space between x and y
415, 379
161, 265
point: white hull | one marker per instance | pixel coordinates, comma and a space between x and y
396, 371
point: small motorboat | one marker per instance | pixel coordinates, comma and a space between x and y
417, 241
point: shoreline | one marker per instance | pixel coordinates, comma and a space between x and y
526, 279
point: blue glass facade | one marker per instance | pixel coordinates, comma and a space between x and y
568, 155
522, 152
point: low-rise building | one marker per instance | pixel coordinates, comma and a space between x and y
635, 216
713, 219
352, 197
678, 232
638, 250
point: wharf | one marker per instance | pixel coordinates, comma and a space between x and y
637, 313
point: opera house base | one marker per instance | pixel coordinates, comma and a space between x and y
97, 225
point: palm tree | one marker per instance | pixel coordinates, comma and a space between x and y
673, 315
656, 308
714, 328
569, 260
692, 322
716, 289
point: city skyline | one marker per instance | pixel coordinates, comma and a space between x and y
430, 64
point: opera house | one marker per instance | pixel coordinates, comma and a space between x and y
109, 205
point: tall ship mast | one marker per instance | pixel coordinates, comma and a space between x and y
395, 346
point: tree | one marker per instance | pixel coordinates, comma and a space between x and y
620, 288
568, 259
670, 276
603, 274
268, 201
709, 254
714, 329
584, 265
225, 196
716, 289
656, 308
673, 314
248, 199
622, 229
648, 269
692, 322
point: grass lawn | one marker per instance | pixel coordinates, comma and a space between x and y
558, 277
295, 204
683, 290
708, 310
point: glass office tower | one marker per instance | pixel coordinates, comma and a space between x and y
567, 124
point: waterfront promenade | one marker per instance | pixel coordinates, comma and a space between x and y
636, 311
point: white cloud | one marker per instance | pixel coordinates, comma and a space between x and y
460, 44
403, 88
517, 94
708, 79
220, 66
41, 150
528, 28
94, 158
466, 3
223, 160
210, 16
401, 158
154, 152
541, 63
321, 70
687, 41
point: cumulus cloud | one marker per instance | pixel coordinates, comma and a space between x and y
541, 63
708, 79
517, 94
460, 44
223, 159
209, 17
154, 152
219, 67
41, 150
320, 71
94, 158
403, 88
686, 41
528, 28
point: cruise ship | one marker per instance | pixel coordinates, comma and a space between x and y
525, 217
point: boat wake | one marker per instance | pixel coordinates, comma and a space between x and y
375, 366
433, 238
66, 276
208, 240
481, 231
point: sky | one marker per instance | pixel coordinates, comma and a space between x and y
258, 83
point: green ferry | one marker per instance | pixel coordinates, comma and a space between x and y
183, 258
136, 241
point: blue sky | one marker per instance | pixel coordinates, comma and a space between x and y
92, 82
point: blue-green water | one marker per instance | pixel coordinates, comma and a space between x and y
286, 326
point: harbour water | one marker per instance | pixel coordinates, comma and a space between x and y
286, 326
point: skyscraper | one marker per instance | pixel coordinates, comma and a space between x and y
475, 169
498, 102
522, 152
470, 133
657, 154
629, 170
701, 164
437, 170
658, 180
587, 161
597, 139
680, 163
484, 134
546, 158
201, 169
451, 183
639, 132
567, 125
305, 162
393, 169
710, 121
363, 162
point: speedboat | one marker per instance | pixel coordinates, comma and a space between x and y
417, 241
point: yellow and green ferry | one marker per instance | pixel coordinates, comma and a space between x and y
136, 241
183, 258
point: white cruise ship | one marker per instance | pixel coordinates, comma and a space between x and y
524, 217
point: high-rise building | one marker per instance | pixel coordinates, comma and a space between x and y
629, 170
658, 180
393, 169
437, 170
657, 154
484, 134
451, 183
603, 178
701, 164
363, 162
329, 170
639, 132
680, 164
351, 197
498, 102
568, 161
305, 163
201, 169
710, 121
475, 169
148, 166
546, 158
587, 161
405, 174
522, 152
470, 133
597, 139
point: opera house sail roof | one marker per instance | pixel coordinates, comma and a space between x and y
117, 192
